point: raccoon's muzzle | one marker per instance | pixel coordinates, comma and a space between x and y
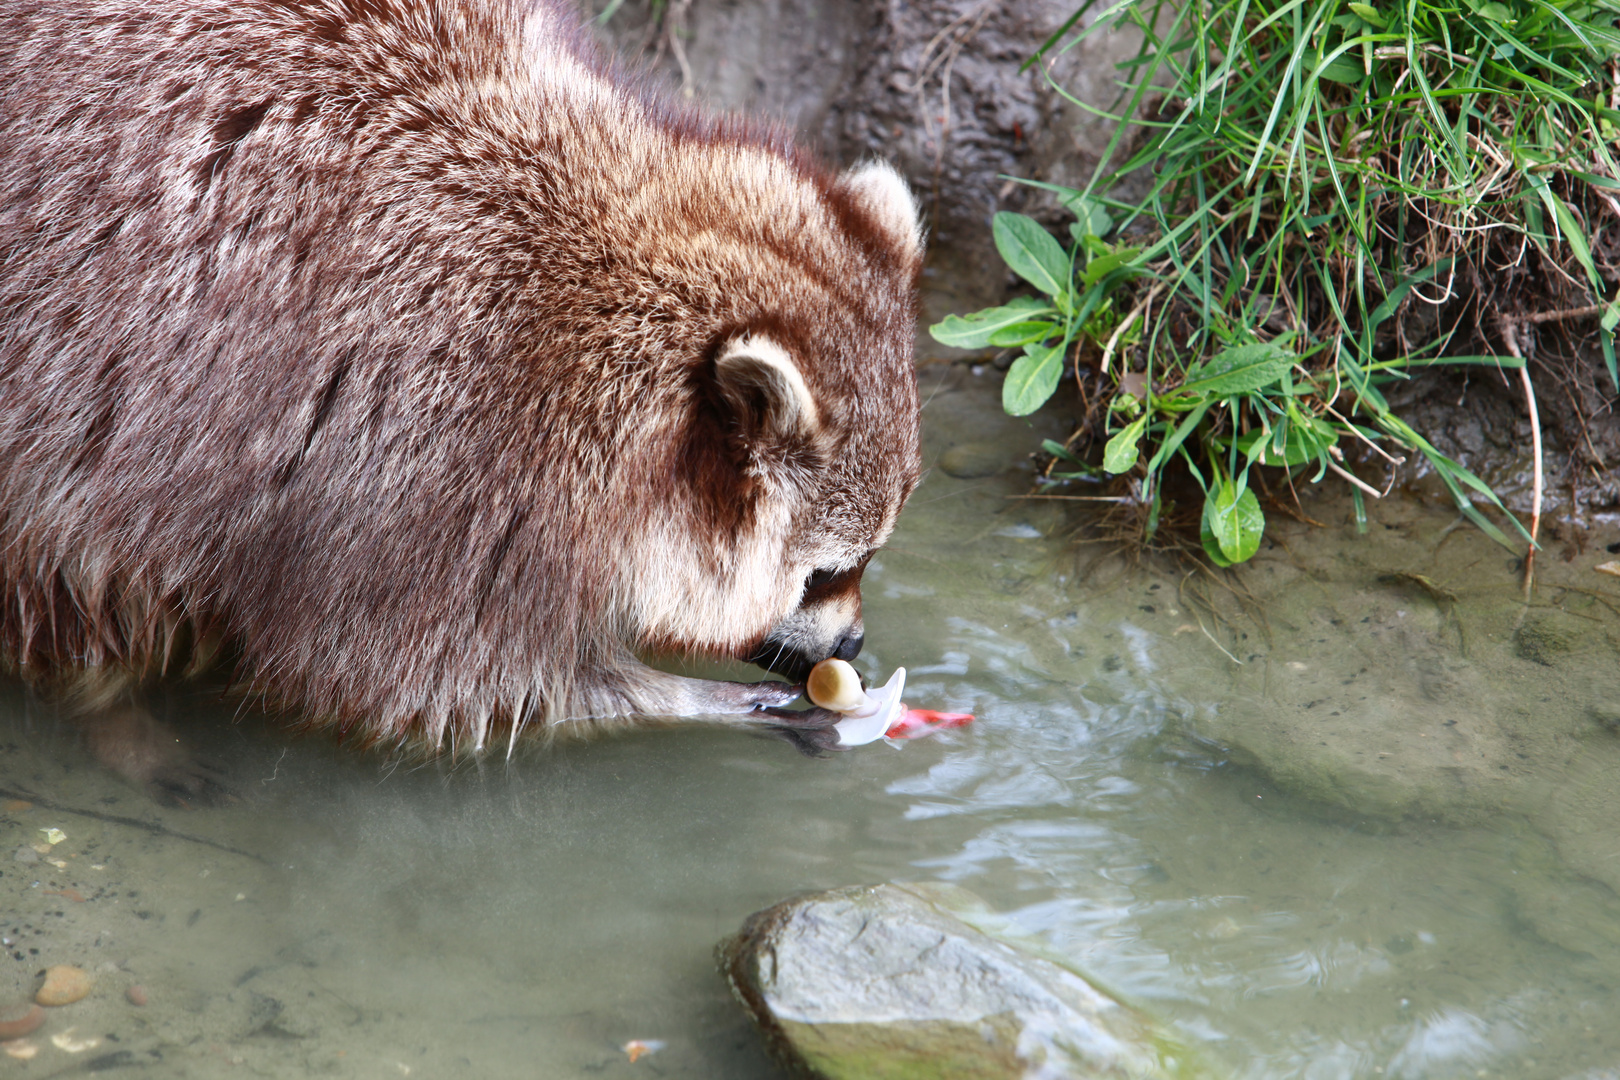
781, 655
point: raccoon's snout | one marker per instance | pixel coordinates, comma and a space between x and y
826, 624
849, 646
781, 654
795, 664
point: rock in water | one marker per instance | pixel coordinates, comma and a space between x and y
973, 461
63, 985
19, 1020
890, 981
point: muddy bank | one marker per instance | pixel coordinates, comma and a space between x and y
1483, 420
932, 86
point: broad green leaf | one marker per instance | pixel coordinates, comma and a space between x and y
1031, 252
1093, 220
1103, 265
1342, 70
1235, 519
1032, 379
1206, 534
1368, 12
1023, 333
1494, 12
974, 331
1120, 453
1240, 369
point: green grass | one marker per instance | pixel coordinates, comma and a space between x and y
1314, 173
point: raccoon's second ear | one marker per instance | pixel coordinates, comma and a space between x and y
883, 194
763, 386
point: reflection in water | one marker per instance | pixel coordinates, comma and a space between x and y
1452, 1039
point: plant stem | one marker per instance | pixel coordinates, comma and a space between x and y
1510, 337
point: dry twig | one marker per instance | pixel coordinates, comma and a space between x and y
1510, 337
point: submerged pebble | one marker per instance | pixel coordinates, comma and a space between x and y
26, 855
972, 461
21, 1049
19, 1020
136, 995
72, 1044
64, 984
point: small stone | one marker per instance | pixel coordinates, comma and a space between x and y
26, 855
19, 1020
972, 461
70, 1043
1611, 568
64, 984
136, 995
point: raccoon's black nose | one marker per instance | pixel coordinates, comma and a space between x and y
849, 646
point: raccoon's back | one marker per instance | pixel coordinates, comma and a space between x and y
269, 292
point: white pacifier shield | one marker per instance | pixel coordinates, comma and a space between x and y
869, 722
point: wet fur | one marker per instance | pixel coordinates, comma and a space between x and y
381, 344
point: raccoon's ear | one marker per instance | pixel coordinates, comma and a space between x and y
763, 386
883, 194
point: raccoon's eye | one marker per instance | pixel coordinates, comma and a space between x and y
819, 578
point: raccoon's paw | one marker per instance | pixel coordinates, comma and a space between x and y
765, 696
130, 742
811, 731
188, 783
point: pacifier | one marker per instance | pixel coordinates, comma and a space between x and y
868, 714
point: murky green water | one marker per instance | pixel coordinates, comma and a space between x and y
1380, 846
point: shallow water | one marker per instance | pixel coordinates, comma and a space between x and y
1291, 910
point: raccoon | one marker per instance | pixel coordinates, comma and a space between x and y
430, 367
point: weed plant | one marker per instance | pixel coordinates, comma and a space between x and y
1326, 181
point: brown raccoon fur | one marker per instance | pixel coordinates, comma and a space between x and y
430, 365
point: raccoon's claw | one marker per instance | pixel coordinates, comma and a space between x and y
188, 784
770, 696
